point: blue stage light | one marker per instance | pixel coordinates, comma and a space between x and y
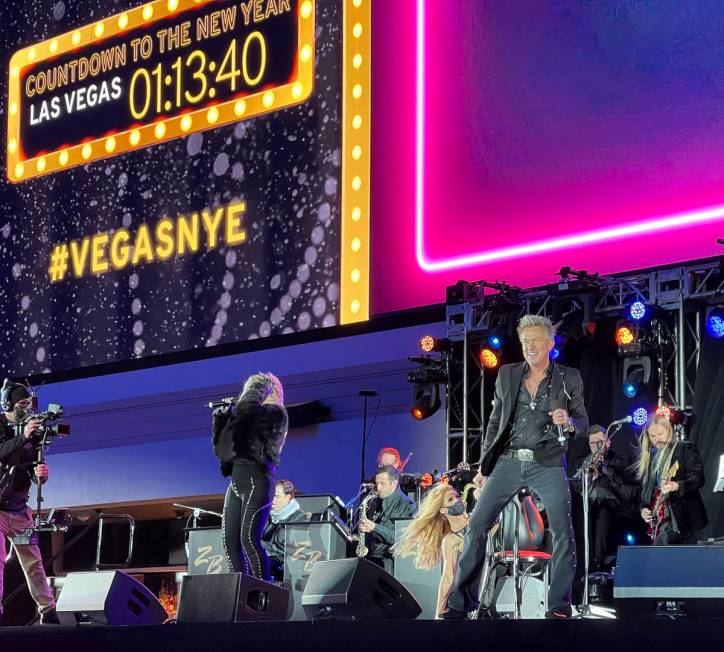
630, 390
555, 352
495, 342
640, 416
630, 539
637, 310
715, 322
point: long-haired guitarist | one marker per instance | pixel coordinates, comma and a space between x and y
671, 473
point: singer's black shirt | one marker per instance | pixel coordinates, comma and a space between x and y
530, 415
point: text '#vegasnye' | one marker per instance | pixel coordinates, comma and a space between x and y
169, 238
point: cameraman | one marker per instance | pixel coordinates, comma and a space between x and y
15, 515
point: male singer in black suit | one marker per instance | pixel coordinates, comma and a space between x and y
537, 405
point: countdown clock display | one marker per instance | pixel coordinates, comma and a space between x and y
182, 176
152, 73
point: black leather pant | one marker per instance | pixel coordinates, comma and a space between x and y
246, 510
507, 478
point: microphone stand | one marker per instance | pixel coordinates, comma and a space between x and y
365, 394
585, 607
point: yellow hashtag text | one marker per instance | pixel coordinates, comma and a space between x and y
169, 238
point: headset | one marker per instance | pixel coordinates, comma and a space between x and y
8, 386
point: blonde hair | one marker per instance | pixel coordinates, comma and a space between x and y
275, 391
531, 321
663, 457
423, 537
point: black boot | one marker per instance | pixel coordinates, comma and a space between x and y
49, 617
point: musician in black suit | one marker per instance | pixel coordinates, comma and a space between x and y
379, 522
684, 510
537, 405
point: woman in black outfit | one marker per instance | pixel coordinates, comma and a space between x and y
248, 439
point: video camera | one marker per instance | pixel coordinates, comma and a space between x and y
49, 424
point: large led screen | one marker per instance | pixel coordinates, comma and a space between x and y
180, 174
521, 136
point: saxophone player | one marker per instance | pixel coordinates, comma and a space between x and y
378, 521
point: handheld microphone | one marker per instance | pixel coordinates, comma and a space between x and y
229, 400
561, 435
626, 419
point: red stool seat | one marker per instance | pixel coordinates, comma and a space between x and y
523, 555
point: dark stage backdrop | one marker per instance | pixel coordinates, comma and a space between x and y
284, 168
708, 428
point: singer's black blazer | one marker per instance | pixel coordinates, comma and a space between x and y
566, 392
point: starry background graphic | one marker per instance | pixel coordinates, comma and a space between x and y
285, 166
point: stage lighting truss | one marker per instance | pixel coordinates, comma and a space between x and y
670, 333
636, 375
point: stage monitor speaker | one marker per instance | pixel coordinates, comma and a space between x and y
107, 598
356, 589
669, 580
306, 544
230, 598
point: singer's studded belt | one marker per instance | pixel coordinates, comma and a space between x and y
520, 454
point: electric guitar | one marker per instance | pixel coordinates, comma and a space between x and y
658, 504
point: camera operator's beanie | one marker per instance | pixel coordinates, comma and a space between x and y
18, 393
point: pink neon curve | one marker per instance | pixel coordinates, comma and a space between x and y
647, 226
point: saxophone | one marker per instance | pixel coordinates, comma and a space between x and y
361, 549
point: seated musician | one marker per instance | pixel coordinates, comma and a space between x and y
675, 468
437, 533
284, 509
378, 524
389, 457
613, 494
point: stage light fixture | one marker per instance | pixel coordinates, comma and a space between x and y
640, 416
673, 414
555, 353
489, 358
637, 310
630, 539
636, 374
426, 480
625, 334
430, 344
632, 383
495, 342
663, 411
715, 322
425, 401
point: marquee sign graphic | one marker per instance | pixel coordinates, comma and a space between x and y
153, 73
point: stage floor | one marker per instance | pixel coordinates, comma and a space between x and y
661, 635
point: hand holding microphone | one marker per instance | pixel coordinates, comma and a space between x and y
560, 418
